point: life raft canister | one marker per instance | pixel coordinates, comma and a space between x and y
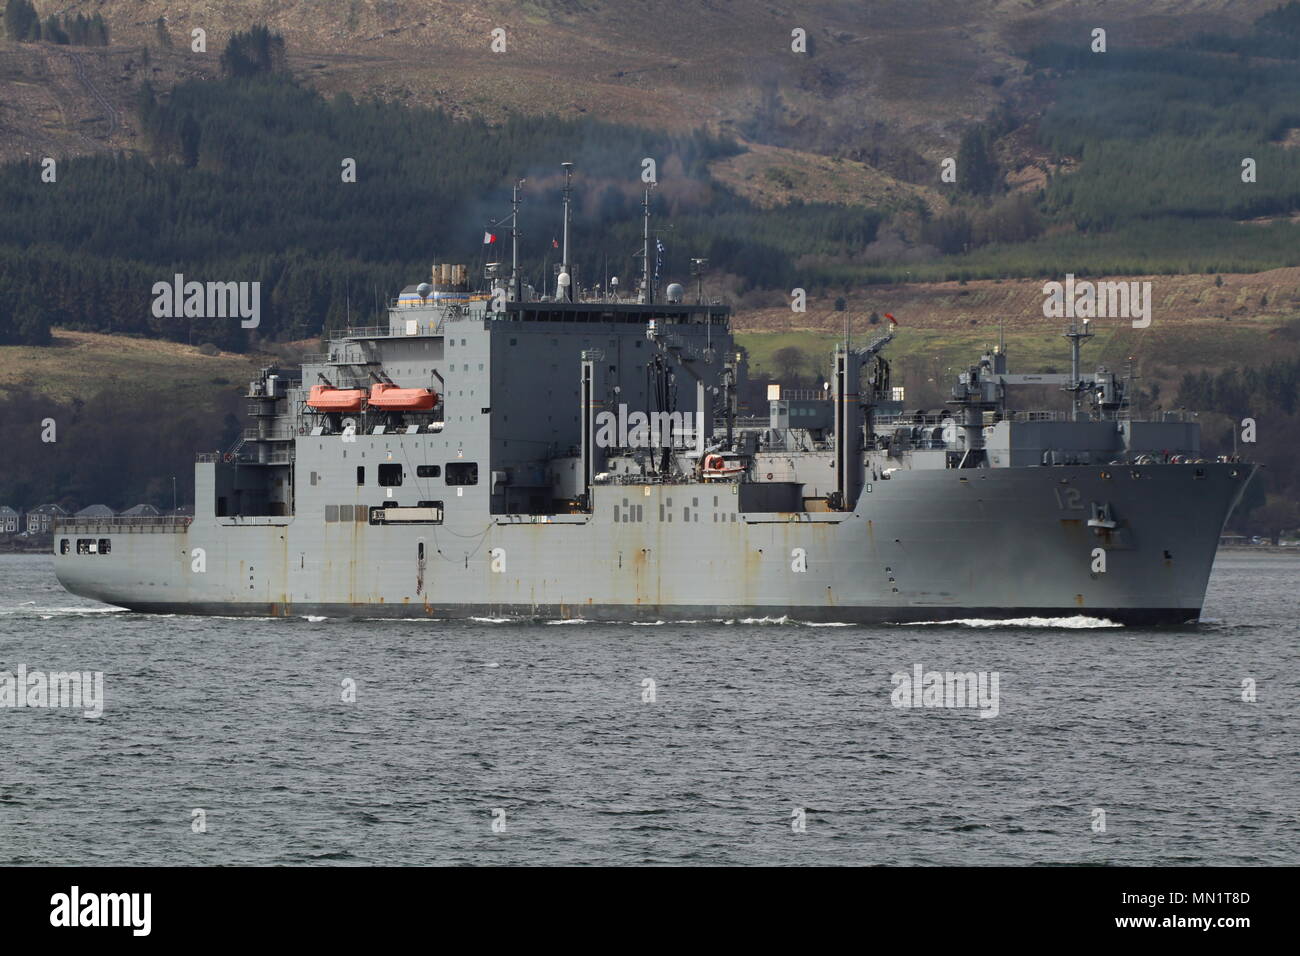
714, 463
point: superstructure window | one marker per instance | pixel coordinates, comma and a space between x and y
462, 473
428, 471
361, 474
390, 476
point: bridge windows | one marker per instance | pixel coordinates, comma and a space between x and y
87, 545
462, 473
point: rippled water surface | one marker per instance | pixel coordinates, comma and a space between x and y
751, 721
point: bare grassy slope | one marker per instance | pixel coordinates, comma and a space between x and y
78, 364
951, 306
1249, 320
918, 69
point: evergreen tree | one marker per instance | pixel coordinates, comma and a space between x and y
53, 31
977, 173
19, 18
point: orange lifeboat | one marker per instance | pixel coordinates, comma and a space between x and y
393, 398
715, 466
327, 398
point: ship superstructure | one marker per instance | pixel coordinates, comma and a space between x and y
494, 452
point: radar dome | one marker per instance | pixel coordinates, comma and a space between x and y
675, 292
423, 290
563, 280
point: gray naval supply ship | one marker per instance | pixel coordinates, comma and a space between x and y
580, 455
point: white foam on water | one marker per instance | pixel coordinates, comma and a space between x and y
491, 664
314, 618
571, 620
400, 620
1078, 621
828, 624
783, 619
650, 623
492, 620
28, 607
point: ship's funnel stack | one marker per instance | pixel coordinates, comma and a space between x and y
450, 278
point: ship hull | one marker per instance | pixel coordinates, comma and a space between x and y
922, 546
641, 614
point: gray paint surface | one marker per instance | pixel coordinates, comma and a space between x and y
922, 541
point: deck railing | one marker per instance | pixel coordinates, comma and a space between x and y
130, 524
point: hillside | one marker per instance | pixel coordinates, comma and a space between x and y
906, 72
955, 306
78, 364
817, 170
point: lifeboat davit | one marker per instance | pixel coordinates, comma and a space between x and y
327, 398
393, 398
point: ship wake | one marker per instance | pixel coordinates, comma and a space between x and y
1074, 622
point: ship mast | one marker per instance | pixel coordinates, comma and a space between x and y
565, 291
697, 270
647, 290
1076, 335
516, 288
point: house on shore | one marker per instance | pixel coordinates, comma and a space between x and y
40, 520
95, 511
11, 522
